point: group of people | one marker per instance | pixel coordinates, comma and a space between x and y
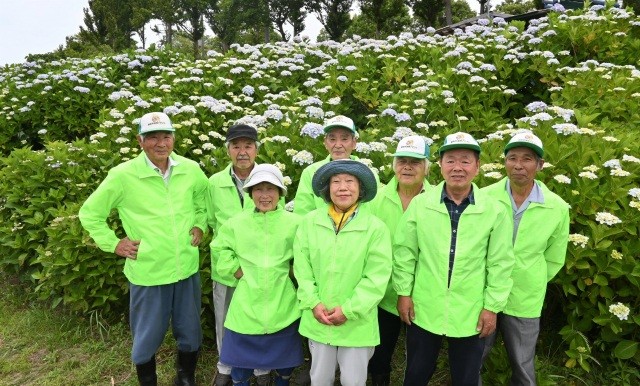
354, 263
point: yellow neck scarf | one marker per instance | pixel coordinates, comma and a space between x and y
340, 219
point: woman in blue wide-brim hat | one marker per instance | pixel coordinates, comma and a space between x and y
342, 262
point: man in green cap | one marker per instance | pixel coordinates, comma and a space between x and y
160, 198
340, 139
452, 261
540, 228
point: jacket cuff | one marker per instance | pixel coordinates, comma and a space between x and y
348, 312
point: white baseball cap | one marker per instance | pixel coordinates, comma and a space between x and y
265, 173
413, 146
339, 121
526, 139
154, 122
459, 140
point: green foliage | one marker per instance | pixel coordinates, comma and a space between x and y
380, 18
515, 7
460, 10
427, 11
333, 15
109, 22
571, 78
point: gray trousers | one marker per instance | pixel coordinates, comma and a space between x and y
151, 308
222, 295
352, 361
519, 336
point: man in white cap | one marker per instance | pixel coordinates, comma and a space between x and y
540, 232
411, 166
160, 246
340, 139
226, 199
452, 261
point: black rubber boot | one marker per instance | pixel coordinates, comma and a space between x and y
380, 379
147, 373
263, 380
186, 368
303, 377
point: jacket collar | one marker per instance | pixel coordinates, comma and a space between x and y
434, 202
144, 171
355, 224
391, 190
507, 200
227, 181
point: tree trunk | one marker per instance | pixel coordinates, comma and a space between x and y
143, 37
282, 32
447, 12
195, 49
168, 34
267, 33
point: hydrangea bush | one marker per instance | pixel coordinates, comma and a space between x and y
572, 78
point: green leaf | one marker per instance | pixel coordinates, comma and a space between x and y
626, 349
600, 280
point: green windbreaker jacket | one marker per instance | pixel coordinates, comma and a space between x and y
224, 203
159, 216
261, 244
349, 269
540, 248
388, 208
481, 276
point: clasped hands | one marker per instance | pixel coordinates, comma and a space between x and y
332, 317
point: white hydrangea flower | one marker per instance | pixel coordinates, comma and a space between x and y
289, 206
613, 164
616, 255
619, 173
496, 175
607, 218
589, 175
491, 167
579, 240
629, 158
620, 310
561, 178
591, 168
303, 158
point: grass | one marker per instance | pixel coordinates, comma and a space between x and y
45, 347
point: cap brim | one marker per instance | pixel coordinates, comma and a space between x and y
355, 168
537, 149
253, 138
458, 146
154, 130
270, 179
328, 128
409, 154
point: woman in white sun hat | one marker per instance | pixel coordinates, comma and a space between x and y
261, 328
